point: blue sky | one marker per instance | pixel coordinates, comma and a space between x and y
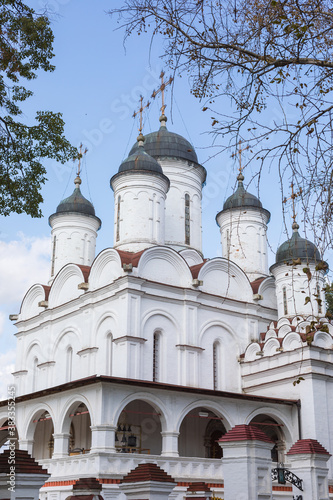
97, 85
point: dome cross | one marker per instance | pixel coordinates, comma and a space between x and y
239, 152
80, 156
140, 111
293, 197
161, 89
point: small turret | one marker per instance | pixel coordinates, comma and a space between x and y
74, 231
299, 272
243, 226
140, 189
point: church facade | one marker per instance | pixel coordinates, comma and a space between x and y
151, 353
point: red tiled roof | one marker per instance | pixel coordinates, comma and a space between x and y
198, 487
87, 483
85, 497
196, 269
147, 472
24, 463
85, 271
308, 447
245, 432
47, 291
130, 257
256, 284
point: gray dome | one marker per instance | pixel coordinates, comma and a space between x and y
76, 202
297, 247
139, 160
241, 198
167, 144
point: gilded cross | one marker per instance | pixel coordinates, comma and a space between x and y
142, 107
161, 89
80, 155
240, 150
292, 197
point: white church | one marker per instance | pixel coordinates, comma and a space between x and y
151, 372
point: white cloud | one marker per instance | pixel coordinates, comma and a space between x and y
23, 262
7, 366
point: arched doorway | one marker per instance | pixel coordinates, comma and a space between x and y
199, 433
139, 429
274, 430
79, 430
6, 438
43, 436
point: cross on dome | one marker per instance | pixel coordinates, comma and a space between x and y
77, 180
240, 176
161, 90
140, 111
293, 196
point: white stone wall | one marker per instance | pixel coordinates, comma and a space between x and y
185, 178
73, 240
298, 286
244, 239
141, 218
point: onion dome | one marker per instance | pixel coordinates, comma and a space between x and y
140, 161
76, 202
167, 144
297, 248
241, 198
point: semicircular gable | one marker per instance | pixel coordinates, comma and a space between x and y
251, 352
267, 290
224, 278
65, 285
29, 306
271, 347
164, 265
291, 341
105, 269
191, 256
323, 339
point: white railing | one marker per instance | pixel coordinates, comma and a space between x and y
116, 465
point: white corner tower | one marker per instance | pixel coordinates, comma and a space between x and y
178, 159
140, 189
74, 231
299, 273
243, 226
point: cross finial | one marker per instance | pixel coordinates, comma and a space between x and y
142, 107
240, 168
293, 196
77, 181
161, 89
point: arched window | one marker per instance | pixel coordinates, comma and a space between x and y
118, 220
109, 346
156, 356
319, 300
69, 364
53, 255
216, 352
285, 303
187, 219
34, 374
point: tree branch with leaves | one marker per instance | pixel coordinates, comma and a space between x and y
258, 54
25, 47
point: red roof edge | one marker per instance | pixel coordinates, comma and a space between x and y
256, 284
196, 269
85, 271
198, 487
130, 257
47, 291
307, 447
147, 472
245, 432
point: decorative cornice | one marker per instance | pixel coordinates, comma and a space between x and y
129, 338
87, 350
